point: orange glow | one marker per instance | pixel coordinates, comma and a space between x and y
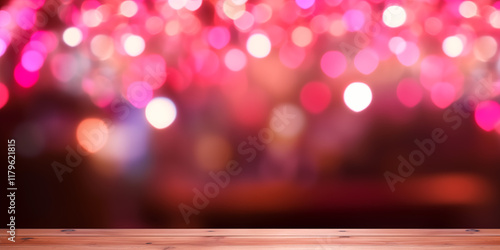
92, 134
212, 152
452, 189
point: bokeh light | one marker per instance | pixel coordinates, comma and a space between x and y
147, 68
102, 46
134, 45
72, 36
245, 22
127, 142
366, 61
26, 18
92, 18
337, 27
193, 5
239, 2
409, 55
453, 46
409, 92
397, 45
353, 20
173, 28
128, 8
232, 10
235, 60
177, 4
36, 4
47, 39
315, 97
258, 45
333, 63
485, 48
92, 134
305, 4
494, 19
319, 24
4, 95
443, 94
5, 18
262, 12
218, 37
25, 78
32, 60
291, 55
302, 36
3, 47
100, 89
161, 112
487, 115
64, 67
468, 9
155, 25
357, 96
36, 45
394, 16
434, 69
139, 94
433, 25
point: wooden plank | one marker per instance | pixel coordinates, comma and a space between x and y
302, 247
262, 240
253, 239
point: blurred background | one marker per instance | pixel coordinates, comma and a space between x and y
236, 113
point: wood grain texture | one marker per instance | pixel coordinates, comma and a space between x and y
253, 239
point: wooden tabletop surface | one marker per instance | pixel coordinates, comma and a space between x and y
252, 239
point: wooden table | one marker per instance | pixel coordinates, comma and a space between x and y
253, 239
